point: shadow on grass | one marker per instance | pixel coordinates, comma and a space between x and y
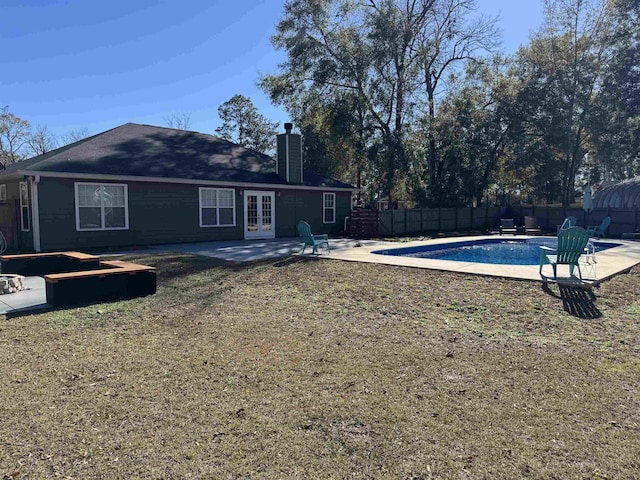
293, 260
46, 308
169, 268
576, 301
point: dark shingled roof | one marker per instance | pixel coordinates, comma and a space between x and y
147, 151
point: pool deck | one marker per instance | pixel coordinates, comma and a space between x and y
608, 262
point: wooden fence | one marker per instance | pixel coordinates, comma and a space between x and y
363, 223
428, 220
432, 220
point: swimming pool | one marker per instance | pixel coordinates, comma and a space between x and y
501, 251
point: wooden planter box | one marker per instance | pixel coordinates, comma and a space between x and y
115, 280
75, 278
45, 263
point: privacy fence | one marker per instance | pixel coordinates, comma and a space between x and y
433, 220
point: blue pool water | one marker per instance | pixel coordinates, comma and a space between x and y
496, 251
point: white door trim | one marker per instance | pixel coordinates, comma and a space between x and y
260, 234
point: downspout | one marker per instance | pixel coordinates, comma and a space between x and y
35, 212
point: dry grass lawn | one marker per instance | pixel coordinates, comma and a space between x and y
325, 369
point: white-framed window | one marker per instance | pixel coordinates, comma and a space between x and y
3, 192
24, 207
217, 207
101, 206
329, 207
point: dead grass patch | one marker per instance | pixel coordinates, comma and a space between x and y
326, 369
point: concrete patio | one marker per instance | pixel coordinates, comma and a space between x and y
252, 250
32, 298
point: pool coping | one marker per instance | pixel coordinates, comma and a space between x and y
609, 262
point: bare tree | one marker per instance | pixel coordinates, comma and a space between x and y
365, 49
14, 134
391, 55
75, 135
448, 38
179, 120
41, 141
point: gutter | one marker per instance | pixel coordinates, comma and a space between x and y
184, 181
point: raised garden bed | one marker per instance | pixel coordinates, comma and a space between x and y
32, 264
114, 280
73, 278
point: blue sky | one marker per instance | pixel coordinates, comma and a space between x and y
69, 64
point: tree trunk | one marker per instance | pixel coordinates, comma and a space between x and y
432, 154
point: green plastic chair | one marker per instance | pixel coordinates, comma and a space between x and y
311, 240
600, 230
571, 244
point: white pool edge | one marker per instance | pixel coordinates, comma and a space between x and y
610, 262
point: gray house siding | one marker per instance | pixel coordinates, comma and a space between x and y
169, 213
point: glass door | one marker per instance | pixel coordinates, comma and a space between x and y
259, 214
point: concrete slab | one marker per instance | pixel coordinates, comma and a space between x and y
252, 250
32, 298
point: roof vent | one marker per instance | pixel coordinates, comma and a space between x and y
287, 127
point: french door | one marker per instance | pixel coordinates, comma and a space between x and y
259, 214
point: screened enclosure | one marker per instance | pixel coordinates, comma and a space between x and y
622, 195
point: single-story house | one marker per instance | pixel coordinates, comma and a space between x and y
141, 184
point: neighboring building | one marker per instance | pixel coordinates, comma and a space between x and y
140, 185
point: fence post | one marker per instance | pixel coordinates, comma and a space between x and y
471, 218
439, 219
421, 221
548, 222
406, 229
393, 222
486, 216
456, 217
